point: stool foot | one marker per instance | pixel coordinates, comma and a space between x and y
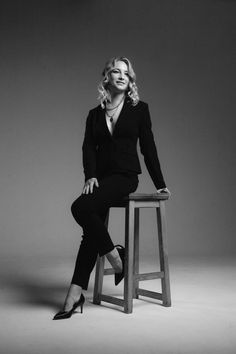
96, 301
128, 310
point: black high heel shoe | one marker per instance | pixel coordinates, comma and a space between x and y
61, 315
120, 276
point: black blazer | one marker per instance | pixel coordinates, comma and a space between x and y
104, 153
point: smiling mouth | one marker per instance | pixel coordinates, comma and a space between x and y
120, 82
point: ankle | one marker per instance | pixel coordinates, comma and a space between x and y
73, 295
74, 292
113, 258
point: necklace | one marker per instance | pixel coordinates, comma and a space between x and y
111, 117
110, 109
116, 107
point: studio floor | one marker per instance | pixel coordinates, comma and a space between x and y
202, 318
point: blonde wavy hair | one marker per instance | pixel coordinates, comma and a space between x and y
132, 92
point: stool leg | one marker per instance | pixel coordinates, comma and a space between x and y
98, 280
165, 281
136, 252
129, 258
99, 273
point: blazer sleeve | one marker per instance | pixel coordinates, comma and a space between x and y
148, 149
89, 149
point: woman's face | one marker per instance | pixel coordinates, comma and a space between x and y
119, 77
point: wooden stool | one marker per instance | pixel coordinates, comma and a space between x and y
132, 204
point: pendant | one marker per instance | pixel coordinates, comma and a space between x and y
111, 119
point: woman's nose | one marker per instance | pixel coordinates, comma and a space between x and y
121, 75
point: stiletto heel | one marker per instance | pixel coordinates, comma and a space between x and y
61, 315
120, 276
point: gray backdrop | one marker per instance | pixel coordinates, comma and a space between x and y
52, 54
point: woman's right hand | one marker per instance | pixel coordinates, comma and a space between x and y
89, 184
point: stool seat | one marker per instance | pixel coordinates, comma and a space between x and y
147, 196
140, 197
132, 204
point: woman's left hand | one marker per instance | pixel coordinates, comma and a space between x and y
163, 190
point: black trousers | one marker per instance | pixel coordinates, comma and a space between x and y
90, 211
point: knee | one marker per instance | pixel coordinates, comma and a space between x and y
74, 209
80, 210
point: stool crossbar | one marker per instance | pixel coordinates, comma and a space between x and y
132, 204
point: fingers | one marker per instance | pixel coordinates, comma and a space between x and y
85, 188
88, 187
91, 186
163, 190
167, 191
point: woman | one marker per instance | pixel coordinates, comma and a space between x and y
111, 168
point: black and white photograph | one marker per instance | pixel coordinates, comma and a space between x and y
117, 157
